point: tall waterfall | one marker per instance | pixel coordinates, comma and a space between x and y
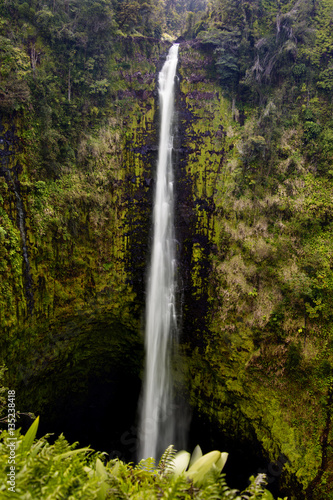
157, 429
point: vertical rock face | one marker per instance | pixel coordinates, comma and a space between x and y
199, 154
78, 231
242, 324
85, 235
16, 291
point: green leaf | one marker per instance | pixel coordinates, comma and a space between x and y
197, 453
166, 462
100, 469
36, 448
102, 474
202, 466
180, 462
71, 453
30, 436
101, 494
222, 460
267, 495
88, 470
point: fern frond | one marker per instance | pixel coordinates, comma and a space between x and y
177, 488
225, 492
256, 489
147, 464
212, 476
166, 463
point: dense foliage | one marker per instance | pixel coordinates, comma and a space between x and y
61, 470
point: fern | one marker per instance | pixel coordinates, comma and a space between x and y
220, 489
166, 463
61, 471
212, 476
178, 488
147, 464
256, 489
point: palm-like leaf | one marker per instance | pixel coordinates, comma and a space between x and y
201, 467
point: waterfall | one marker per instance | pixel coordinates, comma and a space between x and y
157, 428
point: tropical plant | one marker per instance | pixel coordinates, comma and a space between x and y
198, 467
60, 470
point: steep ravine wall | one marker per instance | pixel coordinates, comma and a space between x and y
75, 225
259, 365
71, 319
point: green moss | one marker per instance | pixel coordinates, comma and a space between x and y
11, 286
269, 284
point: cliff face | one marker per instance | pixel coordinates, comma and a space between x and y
75, 230
61, 222
74, 243
260, 352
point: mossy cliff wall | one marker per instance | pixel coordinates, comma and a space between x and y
260, 350
74, 239
74, 225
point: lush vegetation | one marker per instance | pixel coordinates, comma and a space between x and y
60, 470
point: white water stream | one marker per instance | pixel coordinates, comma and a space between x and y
157, 428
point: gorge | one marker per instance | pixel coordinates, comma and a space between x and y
253, 223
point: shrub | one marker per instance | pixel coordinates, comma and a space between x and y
52, 471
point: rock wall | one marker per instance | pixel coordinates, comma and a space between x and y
74, 251
255, 353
